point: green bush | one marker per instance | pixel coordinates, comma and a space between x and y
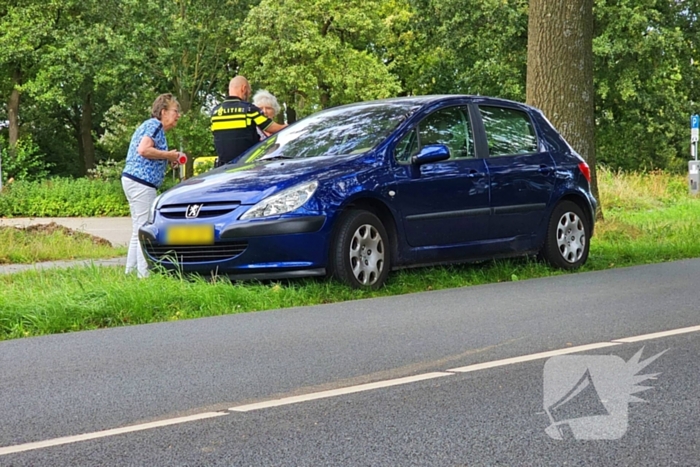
26, 164
63, 197
107, 170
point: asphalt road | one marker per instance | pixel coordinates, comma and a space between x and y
82, 383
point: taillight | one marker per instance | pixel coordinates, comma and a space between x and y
585, 170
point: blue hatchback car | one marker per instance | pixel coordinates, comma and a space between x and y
359, 190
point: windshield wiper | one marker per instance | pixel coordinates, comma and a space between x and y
278, 156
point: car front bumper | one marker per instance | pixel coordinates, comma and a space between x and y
292, 246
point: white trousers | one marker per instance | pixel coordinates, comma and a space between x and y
140, 199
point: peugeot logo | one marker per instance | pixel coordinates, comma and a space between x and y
193, 211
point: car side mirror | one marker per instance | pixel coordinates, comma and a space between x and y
431, 153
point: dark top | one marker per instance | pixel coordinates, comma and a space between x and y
233, 123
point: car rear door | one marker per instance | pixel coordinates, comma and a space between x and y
522, 176
447, 202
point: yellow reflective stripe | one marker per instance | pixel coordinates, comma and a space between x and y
252, 114
243, 167
260, 120
228, 117
229, 125
262, 149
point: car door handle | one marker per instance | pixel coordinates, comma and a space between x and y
544, 169
474, 173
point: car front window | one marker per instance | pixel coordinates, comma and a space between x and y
340, 131
448, 126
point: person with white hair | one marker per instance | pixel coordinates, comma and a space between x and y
269, 106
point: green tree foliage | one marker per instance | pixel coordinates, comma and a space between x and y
474, 47
80, 67
646, 55
25, 28
179, 47
314, 54
78, 76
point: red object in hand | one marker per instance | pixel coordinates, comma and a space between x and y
182, 159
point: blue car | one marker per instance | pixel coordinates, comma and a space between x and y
359, 190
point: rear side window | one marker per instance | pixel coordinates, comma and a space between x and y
508, 131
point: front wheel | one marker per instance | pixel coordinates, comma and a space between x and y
360, 251
567, 242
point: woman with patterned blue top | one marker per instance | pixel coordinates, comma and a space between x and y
146, 163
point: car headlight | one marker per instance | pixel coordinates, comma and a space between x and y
152, 211
283, 202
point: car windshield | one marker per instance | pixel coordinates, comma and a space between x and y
347, 130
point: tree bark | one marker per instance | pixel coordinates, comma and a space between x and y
291, 114
185, 99
13, 112
87, 142
560, 72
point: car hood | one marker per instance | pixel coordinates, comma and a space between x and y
251, 183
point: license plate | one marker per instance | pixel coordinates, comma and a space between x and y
200, 234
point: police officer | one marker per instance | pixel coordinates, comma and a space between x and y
234, 122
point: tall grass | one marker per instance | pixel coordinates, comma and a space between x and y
648, 218
51, 242
635, 191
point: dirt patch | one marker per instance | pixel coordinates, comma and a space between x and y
51, 228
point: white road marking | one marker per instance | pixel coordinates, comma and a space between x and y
656, 335
534, 356
105, 433
337, 392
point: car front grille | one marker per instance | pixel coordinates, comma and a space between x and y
182, 254
179, 211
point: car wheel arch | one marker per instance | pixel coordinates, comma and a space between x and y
568, 236
385, 215
582, 203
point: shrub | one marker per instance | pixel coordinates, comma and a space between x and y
63, 197
27, 164
203, 164
108, 170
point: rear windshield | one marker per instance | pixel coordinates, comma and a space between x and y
339, 131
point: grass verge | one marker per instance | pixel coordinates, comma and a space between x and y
51, 242
649, 218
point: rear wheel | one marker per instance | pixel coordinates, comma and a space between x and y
360, 251
567, 242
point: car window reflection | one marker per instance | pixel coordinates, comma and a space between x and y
450, 127
348, 130
508, 131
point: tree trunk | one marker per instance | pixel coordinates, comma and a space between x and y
185, 99
87, 142
560, 72
291, 114
325, 96
13, 112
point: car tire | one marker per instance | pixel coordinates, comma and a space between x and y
360, 253
568, 237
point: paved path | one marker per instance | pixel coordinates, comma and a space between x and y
115, 229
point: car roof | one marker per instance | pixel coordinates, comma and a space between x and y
431, 98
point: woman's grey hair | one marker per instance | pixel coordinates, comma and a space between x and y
264, 98
163, 102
